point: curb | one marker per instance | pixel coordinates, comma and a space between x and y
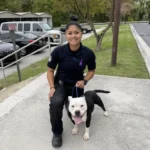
143, 47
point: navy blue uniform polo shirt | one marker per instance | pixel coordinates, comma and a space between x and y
71, 64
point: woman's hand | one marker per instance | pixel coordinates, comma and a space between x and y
51, 93
80, 84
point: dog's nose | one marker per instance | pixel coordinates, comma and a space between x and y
77, 113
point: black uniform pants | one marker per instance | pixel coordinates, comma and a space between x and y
57, 103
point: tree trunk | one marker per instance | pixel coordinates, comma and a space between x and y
111, 15
93, 28
100, 37
125, 19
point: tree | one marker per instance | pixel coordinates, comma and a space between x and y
43, 6
148, 9
14, 6
142, 10
27, 5
126, 10
86, 10
3, 5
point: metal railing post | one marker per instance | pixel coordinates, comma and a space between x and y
49, 43
16, 55
3, 73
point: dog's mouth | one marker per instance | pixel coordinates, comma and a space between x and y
77, 119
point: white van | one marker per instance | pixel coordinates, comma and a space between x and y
35, 27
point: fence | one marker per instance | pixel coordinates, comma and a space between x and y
48, 45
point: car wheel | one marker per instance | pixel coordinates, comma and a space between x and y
51, 40
23, 52
84, 31
46, 39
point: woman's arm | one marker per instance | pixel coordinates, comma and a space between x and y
88, 76
50, 78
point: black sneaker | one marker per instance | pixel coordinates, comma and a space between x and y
57, 140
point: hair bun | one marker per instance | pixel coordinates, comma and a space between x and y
74, 18
73, 21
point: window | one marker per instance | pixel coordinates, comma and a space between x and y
45, 26
36, 27
26, 27
5, 36
5, 27
19, 26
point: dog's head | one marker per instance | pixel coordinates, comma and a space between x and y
78, 109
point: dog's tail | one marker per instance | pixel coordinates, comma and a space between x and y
101, 91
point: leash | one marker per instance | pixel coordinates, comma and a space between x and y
75, 88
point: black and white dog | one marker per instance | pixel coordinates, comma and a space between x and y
80, 109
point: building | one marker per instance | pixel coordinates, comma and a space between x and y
25, 16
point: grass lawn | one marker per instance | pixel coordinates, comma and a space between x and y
129, 60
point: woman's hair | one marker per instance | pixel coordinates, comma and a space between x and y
73, 23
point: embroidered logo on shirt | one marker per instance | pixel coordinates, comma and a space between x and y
80, 62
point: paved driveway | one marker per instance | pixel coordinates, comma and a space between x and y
143, 29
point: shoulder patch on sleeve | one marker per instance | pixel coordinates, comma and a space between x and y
50, 58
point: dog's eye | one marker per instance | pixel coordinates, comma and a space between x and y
72, 106
81, 105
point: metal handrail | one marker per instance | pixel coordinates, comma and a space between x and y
46, 35
14, 62
24, 57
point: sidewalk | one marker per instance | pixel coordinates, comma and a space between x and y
24, 117
27, 127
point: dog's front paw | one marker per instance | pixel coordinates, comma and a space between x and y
105, 114
86, 136
74, 131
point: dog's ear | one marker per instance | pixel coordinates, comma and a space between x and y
69, 98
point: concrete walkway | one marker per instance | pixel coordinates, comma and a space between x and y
26, 126
24, 117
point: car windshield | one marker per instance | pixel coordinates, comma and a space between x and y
45, 26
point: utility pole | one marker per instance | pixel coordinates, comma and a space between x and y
116, 31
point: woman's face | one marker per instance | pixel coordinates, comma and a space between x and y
73, 35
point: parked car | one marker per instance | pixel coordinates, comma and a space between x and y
6, 49
23, 39
36, 27
85, 29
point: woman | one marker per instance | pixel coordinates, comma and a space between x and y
72, 59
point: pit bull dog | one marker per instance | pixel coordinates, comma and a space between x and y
80, 109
